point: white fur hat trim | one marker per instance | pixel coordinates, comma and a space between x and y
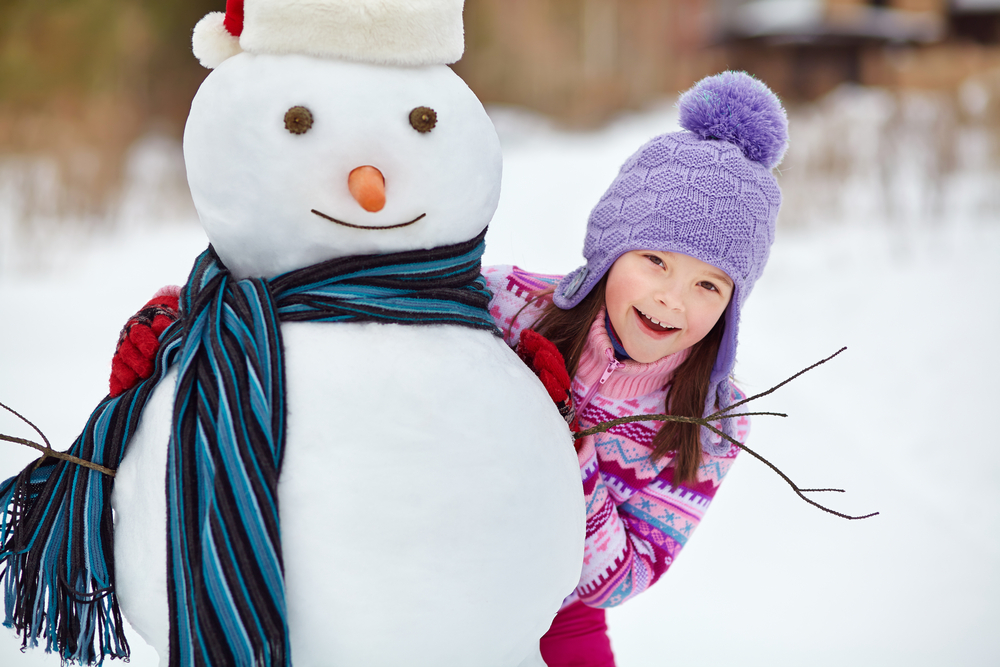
211, 42
386, 32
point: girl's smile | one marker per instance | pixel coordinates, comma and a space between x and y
660, 303
653, 324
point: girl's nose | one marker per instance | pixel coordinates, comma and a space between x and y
367, 186
669, 294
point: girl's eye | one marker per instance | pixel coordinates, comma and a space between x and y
709, 286
298, 120
655, 260
423, 119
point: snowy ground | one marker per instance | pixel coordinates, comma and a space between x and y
903, 420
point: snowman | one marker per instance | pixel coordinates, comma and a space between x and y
376, 479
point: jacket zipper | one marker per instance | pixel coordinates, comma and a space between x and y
613, 365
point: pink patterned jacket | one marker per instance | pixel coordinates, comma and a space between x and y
636, 522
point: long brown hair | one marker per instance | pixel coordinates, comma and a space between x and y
569, 329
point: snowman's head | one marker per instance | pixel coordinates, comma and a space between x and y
272, 142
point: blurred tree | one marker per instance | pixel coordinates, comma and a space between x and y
82, 48
80, 80
582, 61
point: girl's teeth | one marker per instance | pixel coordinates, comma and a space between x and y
657, 322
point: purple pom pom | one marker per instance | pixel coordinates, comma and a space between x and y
736, 107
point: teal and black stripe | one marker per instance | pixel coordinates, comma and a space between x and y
418, 286
224, 561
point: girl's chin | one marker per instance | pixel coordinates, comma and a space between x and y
647, 350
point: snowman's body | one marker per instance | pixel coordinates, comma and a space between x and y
430, 502
423, 499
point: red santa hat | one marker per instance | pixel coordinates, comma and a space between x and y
385, 32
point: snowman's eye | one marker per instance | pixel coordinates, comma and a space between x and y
423, 119
298, 120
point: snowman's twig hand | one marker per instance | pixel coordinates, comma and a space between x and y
799, 492
611, 423
46, 449
708, 422
28, 422
781, 384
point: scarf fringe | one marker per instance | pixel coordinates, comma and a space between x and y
57, 529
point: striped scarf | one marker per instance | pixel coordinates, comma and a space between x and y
224, 561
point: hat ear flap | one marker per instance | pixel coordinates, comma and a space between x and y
212, 42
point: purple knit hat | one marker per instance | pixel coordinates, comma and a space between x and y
707, 192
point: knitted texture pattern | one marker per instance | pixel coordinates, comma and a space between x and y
707, 192
636, 522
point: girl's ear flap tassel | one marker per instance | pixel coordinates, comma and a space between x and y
719, 399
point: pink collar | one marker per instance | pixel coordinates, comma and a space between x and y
631, 378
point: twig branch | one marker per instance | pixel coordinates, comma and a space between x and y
46, 449
725, 414
775, 387
608, 425
26, 421
799, 492
611, 423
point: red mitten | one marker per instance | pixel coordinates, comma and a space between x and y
140, 340
543, 357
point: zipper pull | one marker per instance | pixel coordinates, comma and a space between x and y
613, 365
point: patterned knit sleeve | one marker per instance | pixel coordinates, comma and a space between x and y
514, 306
637, 522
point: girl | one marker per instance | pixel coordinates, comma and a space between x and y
649, 324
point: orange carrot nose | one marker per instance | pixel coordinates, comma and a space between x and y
367, 186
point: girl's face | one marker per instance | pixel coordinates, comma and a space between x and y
664, 302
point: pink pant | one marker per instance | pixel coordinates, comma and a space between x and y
578, 638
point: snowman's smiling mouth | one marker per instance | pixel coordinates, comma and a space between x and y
353, 226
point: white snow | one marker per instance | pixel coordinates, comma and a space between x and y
903, 420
